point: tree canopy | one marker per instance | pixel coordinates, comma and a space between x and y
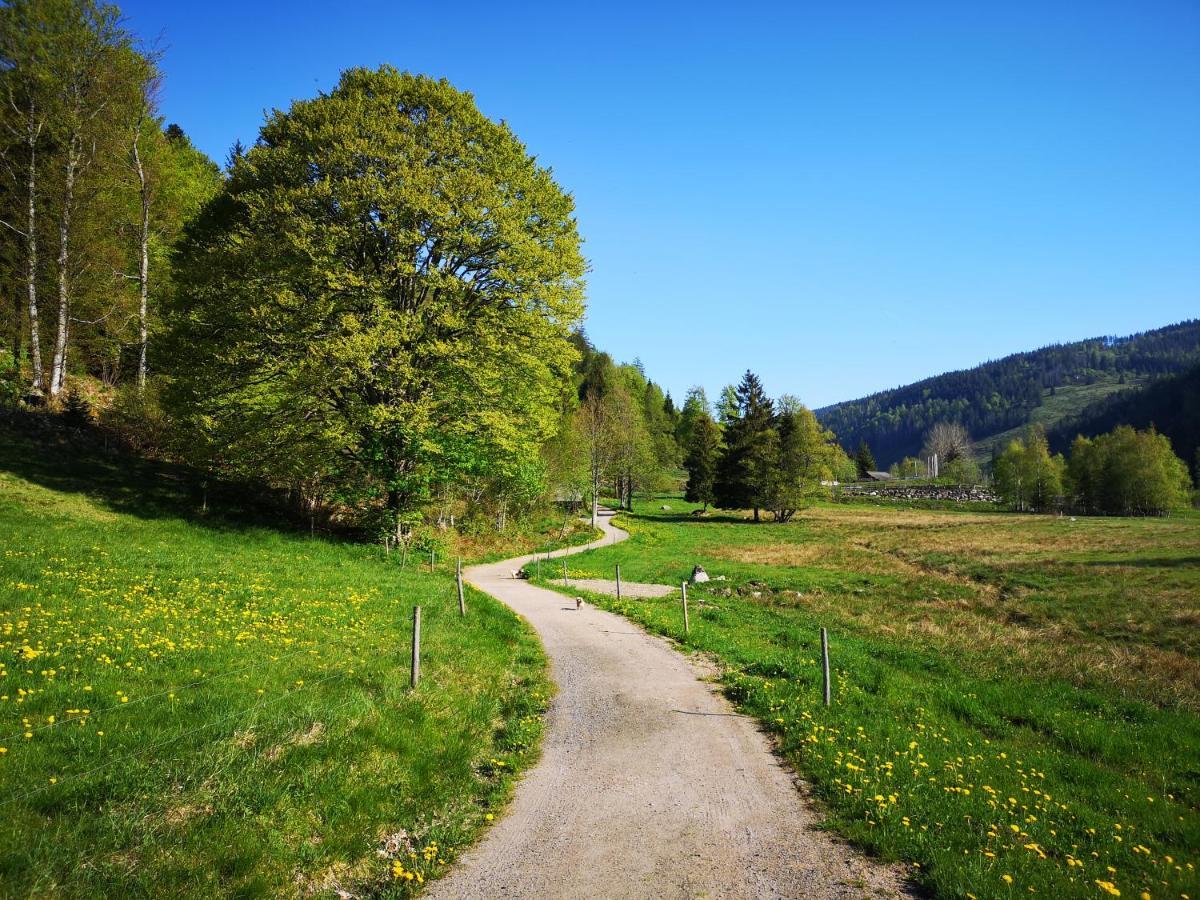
381, 296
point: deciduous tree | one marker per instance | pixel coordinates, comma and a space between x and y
387, 285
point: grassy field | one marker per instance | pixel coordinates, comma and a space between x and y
192, 708
1016, 697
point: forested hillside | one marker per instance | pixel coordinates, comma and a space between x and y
1001, 395
1171, 404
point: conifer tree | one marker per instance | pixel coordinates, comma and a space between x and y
864, 459
703, 450
744, 469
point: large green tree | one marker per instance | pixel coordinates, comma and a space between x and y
383, 293
805, 456
744, 471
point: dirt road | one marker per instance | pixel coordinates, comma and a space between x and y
650, 785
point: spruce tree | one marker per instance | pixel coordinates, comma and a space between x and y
743, 473
864, 459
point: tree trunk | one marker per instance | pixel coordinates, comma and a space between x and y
31, 261
756, 516
595, 495
58, 367
144, 263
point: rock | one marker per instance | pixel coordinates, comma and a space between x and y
664, 507
699, 576
719, 578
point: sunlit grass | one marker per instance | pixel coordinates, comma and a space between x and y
972, 735
196, 709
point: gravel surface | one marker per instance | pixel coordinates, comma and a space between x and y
650, 784
628, 588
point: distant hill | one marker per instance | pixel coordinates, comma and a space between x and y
1171, 404
997, 399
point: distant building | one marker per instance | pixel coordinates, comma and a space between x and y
879, 476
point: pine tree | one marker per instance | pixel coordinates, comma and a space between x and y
864, 459
744, 469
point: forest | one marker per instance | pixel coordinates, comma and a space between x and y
1000, 395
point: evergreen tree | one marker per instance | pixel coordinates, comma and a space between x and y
703, 451
864, 459
744, 470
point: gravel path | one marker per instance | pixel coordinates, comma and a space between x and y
628, 588
650, 785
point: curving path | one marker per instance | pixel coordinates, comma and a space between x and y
649, 785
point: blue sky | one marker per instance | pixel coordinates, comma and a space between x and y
842, 196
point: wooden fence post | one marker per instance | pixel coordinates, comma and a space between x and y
618, 582
415, 675
462, 603
825, 664
432, 556
539, 566
687, 628
565, 582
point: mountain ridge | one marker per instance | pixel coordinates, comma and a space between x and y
997, 398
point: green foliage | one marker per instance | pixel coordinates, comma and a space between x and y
1027, 477
380, 299
744, 471
1171, 405
960, 470
703, 452
269, 736
1004, 394
804, 457
1128, 472
864, 459
909, 467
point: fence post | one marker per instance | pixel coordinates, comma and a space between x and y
432, 555
565, 582
825, 664
415, 675
462, 603
687, 628
404, 556
539, 566
618, 582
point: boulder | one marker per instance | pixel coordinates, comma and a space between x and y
699, 576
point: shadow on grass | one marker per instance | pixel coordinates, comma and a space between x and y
1150, 562
83, 460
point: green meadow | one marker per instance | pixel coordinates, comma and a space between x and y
1015, 698
194, 707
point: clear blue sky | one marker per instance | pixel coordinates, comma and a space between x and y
842, 196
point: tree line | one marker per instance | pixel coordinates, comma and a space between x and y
95, 191
1125, 472
758, 453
